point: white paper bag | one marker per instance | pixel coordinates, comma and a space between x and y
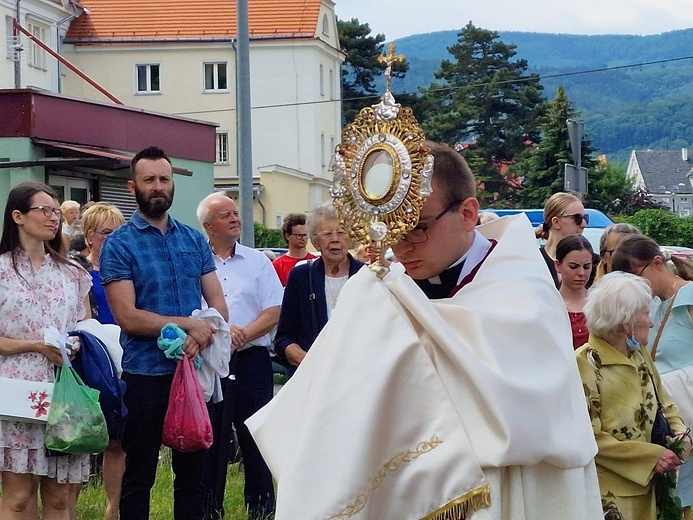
25, 401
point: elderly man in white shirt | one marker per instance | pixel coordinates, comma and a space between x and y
253, 294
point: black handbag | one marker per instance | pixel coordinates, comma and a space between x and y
661, 429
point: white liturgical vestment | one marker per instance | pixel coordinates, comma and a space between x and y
465, 407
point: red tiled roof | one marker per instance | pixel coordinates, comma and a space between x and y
170, 19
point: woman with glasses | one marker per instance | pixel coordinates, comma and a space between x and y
99, 221
623, 393
564, 215
39, 288
671, 337
610, 239
574, 265
313, 289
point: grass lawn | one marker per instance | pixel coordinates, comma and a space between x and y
92, 499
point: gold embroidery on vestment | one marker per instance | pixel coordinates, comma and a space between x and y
390, 466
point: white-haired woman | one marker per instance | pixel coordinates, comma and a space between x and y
623, 389
313, 289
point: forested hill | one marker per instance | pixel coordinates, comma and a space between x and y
648, 106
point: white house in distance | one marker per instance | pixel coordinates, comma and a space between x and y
47, 20
667, 175
179, 57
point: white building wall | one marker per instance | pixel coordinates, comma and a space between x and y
46, 15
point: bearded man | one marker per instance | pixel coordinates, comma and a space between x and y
155, 271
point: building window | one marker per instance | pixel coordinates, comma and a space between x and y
322, 150
216, 78
332, 146
322, 81
331, 83
278, 220
148, 79
223, 148
36, 56
325, 25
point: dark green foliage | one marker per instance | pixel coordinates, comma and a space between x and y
643, 107
484, 96
543, 167
361, 67
266, 237
664, 227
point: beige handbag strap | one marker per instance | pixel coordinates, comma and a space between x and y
663, 322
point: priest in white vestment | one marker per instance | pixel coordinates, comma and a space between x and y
447, 390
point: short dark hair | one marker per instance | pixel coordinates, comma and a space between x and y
571, 243
152, 153
452, 172
291, 220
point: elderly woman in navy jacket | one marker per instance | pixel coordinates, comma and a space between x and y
313, 288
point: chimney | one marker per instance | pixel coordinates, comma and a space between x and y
684, 154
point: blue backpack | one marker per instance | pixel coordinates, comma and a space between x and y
95, 366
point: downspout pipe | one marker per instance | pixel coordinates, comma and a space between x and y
18, 61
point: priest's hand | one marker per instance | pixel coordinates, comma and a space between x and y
668, 461
294, 354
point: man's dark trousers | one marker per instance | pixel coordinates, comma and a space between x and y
252, 389
146, 399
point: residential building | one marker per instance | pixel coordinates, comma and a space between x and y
24, 63
179, 57
667, 175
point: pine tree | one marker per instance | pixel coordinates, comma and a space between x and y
544, 166
486, 98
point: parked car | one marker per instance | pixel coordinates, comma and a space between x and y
593, 232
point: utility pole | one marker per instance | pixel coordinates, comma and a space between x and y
575, 174
244, 134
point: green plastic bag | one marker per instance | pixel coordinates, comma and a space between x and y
75, 422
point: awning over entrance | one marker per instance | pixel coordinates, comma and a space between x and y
66, 154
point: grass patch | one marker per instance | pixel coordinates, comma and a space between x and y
92, 499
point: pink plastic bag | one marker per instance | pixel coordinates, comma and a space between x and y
186, 425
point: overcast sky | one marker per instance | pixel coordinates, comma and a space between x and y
398, 18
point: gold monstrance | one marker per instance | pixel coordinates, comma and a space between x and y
382, 172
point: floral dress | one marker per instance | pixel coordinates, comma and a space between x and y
622, 405
30, 301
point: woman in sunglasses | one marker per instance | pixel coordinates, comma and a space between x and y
671, 337
564, 215
39, 288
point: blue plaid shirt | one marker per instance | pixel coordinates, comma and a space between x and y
165, 270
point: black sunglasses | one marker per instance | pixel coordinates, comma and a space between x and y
578, 218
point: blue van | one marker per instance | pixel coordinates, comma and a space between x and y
594, 230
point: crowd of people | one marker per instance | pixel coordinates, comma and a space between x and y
449, 339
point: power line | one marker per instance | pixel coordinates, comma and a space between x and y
534, 77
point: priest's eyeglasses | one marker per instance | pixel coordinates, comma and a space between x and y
419, 234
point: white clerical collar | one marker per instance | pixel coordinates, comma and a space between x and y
473, 257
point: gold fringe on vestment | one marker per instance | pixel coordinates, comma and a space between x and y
459, 508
